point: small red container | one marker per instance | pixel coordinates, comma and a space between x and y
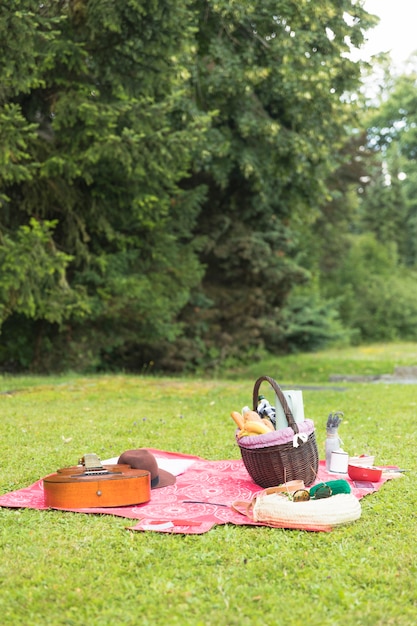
357, 472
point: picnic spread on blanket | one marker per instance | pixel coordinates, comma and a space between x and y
279, 480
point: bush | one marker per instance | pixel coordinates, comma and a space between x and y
377, 296
308, 323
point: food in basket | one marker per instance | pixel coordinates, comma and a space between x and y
253, 428
237, 418
250, 423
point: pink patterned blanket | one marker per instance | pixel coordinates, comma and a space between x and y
200, 499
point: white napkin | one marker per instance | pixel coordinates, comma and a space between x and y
174, 466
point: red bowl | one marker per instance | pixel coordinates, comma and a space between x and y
358, 472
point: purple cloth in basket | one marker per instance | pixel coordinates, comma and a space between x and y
275, 437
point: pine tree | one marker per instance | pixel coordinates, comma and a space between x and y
90, 160
276, 75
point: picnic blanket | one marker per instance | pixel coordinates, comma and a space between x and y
200, 499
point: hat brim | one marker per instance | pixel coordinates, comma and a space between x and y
165, 479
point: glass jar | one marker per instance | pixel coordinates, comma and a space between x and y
331, 445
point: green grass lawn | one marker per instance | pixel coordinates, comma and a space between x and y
72, 569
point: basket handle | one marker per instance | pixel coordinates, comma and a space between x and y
288, 414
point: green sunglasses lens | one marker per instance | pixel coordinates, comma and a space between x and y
324, 491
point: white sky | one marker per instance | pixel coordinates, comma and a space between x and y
397, 31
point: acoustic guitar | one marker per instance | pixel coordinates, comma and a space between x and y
91, 484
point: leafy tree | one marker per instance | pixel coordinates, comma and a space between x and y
169, 160
384, 211
35, 286
370, 279
89, 97
393, 135
377, 297
277, 74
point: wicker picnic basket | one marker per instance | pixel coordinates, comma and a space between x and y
281, 455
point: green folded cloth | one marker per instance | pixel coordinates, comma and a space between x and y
337, 486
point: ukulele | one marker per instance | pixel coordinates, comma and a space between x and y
91, 484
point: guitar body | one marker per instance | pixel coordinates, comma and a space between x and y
106, 486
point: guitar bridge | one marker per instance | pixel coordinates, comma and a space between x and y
92, 464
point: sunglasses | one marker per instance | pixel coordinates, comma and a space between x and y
303, 495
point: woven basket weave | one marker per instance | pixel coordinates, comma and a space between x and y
325, 514
279, 456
